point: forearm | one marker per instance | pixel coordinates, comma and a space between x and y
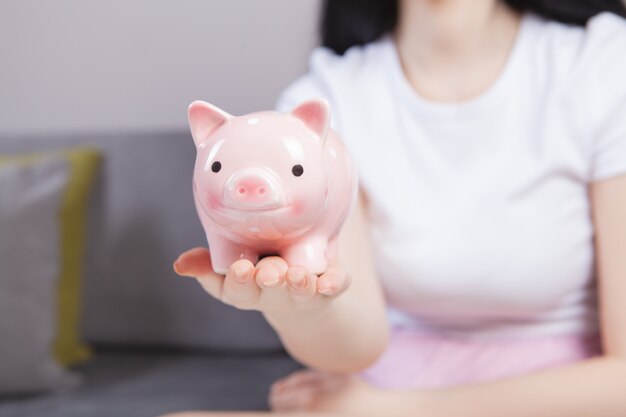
346, 336
594, 387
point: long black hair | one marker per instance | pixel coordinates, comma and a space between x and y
356, 22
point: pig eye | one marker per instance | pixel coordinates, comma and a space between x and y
297, 170
216, 166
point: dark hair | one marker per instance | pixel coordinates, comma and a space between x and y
356, 22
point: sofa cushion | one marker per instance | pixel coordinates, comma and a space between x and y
142, 217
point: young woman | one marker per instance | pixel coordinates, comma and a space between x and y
483, 272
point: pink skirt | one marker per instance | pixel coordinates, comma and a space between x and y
415, 359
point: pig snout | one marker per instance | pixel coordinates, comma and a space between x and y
253, 189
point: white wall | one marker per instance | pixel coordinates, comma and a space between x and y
80, 65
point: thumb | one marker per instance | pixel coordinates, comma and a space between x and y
196, 263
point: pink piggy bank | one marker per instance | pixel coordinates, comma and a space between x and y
271, 183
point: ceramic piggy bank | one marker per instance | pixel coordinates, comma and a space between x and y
271, 183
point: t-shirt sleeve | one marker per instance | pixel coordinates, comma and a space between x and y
303, 88
609, 156
315, 83
602, 94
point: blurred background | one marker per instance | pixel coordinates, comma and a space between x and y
69, 65
95, 201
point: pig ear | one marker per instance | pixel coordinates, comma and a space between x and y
204, 118
315, 114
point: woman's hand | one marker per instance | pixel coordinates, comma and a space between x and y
270, 286
312, 391
318, 329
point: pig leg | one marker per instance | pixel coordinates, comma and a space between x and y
309, 253
224, 253
333, 248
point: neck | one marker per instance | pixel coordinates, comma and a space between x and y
438, 38
453, 28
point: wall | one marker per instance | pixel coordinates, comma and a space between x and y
84, 65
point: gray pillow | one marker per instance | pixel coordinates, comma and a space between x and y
30, 197
141, 217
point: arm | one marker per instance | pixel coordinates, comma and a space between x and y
352, 331
334, 323
594, 387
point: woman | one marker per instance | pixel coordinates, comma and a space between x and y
490, 137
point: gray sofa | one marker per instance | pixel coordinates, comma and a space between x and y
161, 343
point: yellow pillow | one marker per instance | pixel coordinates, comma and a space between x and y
84, 163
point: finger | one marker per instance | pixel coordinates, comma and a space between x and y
298, 399
333, 282
318, 381
301, 283
196, 263
270, 272
240, 289
301, 377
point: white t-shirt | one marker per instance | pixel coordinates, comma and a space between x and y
480, 218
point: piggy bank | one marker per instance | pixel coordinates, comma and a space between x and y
271, 183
